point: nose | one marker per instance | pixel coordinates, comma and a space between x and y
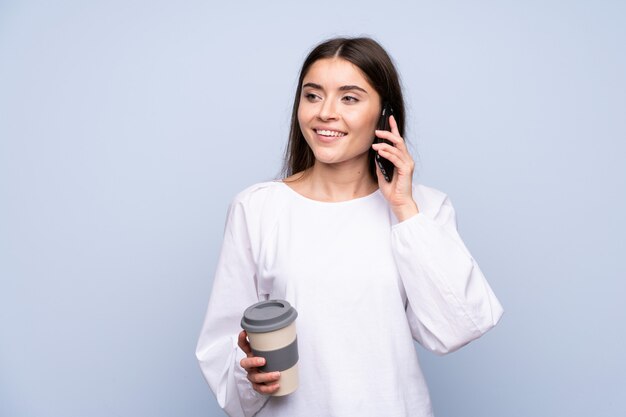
327, 110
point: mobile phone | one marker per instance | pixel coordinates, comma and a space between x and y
386, 166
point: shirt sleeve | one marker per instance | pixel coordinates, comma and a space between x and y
449, 302
234, 289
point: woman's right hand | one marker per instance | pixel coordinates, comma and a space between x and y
262, 382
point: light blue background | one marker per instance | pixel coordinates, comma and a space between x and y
126, 127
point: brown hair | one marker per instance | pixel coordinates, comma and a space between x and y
378, 69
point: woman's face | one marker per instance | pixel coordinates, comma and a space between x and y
338, 112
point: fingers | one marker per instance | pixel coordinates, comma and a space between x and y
393, 136
399, 157
251, 362
264, 378
396, 140
266, 389
394, 159
243, 343
397, 153
262, 382
393, 125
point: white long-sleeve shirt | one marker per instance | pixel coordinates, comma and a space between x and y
364, 287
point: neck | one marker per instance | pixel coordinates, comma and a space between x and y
336, 182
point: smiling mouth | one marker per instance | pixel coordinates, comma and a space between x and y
329, 133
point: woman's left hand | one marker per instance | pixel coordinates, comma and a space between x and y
398, 192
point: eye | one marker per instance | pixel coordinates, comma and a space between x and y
310, 96
350, 99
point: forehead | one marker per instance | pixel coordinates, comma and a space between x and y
335, 72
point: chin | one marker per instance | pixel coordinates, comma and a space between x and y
327, 159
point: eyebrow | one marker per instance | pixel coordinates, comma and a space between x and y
342, 88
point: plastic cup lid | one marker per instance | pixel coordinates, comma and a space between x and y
267, 316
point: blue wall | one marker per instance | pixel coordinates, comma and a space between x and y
127, 126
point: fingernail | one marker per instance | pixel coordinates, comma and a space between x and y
260, 361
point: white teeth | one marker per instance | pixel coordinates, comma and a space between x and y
330, 133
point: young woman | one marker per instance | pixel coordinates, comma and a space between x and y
369, 265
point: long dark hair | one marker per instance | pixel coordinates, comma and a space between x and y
378, 68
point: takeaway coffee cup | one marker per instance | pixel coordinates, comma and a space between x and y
271, 330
